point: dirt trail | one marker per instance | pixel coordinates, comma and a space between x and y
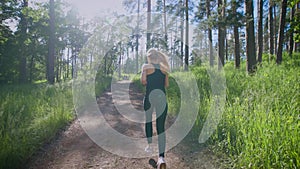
73, 149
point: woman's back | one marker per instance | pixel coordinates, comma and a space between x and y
155, 79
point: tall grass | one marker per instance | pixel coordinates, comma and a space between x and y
30, 115
261, 124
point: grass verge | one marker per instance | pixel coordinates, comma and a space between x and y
31, 115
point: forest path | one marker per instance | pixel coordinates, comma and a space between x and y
73, 148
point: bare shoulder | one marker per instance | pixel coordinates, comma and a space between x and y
164, 69
146, 66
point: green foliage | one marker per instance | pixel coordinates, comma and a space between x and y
32, 43
101, 83
294, 23
173, 98
260, 124
294, 61
31, 115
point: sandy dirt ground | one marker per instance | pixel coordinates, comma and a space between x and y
73, 149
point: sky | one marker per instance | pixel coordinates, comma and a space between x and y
91, 8
86, 8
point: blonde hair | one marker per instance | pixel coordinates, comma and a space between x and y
157, 57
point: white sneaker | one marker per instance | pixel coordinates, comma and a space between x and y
148, 149
161, 164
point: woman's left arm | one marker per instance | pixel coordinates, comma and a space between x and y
167, 80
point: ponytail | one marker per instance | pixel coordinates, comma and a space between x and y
164, 60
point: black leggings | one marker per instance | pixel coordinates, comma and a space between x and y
161, 108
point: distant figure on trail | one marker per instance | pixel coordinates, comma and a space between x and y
155, 77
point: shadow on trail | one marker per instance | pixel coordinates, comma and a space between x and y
117, 120
152, 162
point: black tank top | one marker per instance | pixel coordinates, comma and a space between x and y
155, 80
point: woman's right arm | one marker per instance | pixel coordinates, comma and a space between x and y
144, 75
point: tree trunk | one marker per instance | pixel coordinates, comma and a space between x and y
31, 66
120, 61
186, 59
297, 43
57, 66
51, 49
181, 31
74, 61
211, 57
226, 46
237, 47
68, 60
250, 38
275, 30
291, 43
260, 30
281, 32
23, 49
221, 34
148, 25
165, 26
224, 32
271, 30
236, 38
137, 40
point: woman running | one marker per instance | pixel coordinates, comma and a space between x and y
155, 78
